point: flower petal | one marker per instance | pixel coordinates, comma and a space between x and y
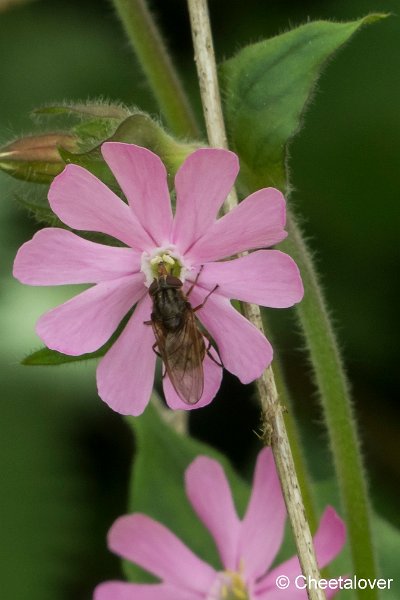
328, 542
126, 373
267, 277
202, 184
264, 522
208, 491
86, 322
83, 202
119, 590
56, 256
244, 351
212, 381
153, 547
143, 179
257, 222
330, 537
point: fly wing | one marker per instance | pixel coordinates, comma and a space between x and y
182, 352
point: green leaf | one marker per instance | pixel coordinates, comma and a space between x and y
266, 89
51, 358
157, 484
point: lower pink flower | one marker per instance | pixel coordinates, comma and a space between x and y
193, 239
246, 547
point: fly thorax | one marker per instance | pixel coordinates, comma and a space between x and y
229, 585
171, 260
170, 306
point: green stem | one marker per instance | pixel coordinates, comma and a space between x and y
338, 412
157, 65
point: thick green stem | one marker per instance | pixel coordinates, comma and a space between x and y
157, 65
338, 413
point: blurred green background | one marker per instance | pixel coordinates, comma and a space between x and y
64, 457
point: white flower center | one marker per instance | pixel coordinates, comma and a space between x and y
171, 259
229, 585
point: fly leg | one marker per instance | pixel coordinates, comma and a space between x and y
192, 286
208, 338
154, 346
195, 281
206, 334
206, 298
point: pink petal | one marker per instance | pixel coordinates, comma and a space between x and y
244, 351
257, 222
212, 381
202, 184
119, 590
56, 256
126, 373
153, 547
86, 322
83, 202
208, 490
264, 522
328, 542
330, 537
143, 179
267, 277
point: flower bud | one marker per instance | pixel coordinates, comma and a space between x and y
36, 158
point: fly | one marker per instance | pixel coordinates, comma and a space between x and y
179, 341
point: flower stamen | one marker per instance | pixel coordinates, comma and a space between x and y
171, 260
229, 586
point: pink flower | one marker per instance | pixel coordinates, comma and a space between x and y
247, 548
194, 237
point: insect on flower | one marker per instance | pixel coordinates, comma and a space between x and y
121, 276
179, 341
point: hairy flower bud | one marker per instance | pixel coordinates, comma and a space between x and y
36, 158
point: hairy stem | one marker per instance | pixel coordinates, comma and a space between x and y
157, 65
337, 408
274, 424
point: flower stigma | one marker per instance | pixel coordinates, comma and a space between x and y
171, 259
